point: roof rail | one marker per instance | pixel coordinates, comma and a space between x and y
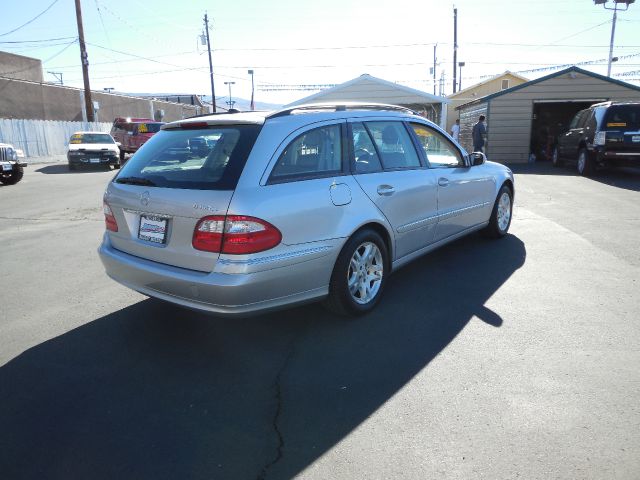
340, 107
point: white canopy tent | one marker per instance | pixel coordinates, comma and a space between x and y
367, 88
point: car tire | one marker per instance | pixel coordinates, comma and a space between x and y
117, 165
585, 164
359, 275
501, 214
555, 158
14, 177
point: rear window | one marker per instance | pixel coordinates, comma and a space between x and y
149, 127
77, 138
622, 117
200, 159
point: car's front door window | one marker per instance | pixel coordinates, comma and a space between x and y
439, 152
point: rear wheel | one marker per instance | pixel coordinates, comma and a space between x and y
501, 214
555, 158
359, 275
585, 164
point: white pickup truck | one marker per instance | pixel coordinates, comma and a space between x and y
11, 164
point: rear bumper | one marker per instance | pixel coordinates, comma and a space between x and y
619, 158
235, 294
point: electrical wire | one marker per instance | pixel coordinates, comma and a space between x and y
32, 20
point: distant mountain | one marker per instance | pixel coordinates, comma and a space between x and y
242, 104
221, 104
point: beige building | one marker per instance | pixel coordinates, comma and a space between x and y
367, 88
20, 67
527, 118
479, 90
24, 95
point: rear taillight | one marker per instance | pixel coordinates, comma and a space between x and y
235, 234
600, 138
109, 219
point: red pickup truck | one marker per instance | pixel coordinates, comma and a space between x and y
132, 133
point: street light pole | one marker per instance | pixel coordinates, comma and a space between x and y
613, 25
250, 72
230, 102
613, 33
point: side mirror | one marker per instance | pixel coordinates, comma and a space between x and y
477, 158
118, 144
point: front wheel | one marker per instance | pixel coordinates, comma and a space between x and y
359, 275
501, 214
14, 177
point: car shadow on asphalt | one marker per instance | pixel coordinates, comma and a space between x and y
153, 391
625, 178
64, 169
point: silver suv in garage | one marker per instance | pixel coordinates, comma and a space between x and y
245, 212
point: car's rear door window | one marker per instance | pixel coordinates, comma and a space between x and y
209, 158
315, 153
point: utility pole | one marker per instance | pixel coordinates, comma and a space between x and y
213, 90
455, 46
88, 104
434, 67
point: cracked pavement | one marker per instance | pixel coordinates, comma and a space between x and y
485, 359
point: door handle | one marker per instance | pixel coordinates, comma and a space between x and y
386, 190
443, 182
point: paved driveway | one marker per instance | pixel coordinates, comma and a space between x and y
486, 359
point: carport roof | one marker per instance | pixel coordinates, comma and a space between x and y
547, 77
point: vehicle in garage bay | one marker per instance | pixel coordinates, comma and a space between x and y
604, 135
315, 202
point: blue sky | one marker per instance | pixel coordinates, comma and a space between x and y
144, 46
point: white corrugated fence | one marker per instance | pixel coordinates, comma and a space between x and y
41, 138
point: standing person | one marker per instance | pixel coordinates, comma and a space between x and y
455, 130
479, 134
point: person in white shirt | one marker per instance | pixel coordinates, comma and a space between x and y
455, 130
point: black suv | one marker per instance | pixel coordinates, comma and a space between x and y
603, 135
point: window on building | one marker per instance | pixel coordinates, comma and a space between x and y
505, 84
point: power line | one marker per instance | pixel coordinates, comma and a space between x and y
32, 20
37, 41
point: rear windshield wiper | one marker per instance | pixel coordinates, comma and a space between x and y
136, 181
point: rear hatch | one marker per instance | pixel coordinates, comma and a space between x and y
180, 176
621, 125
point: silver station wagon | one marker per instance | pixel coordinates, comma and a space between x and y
241, 213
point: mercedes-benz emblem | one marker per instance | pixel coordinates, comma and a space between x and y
144, 199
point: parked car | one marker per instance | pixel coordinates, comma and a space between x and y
307, 203
92, 148
11, 164
132, 133
603, 135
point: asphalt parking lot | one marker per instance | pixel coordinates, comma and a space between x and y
515, 358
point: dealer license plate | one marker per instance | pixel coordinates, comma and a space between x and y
7, 167
94, 160
153, 228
